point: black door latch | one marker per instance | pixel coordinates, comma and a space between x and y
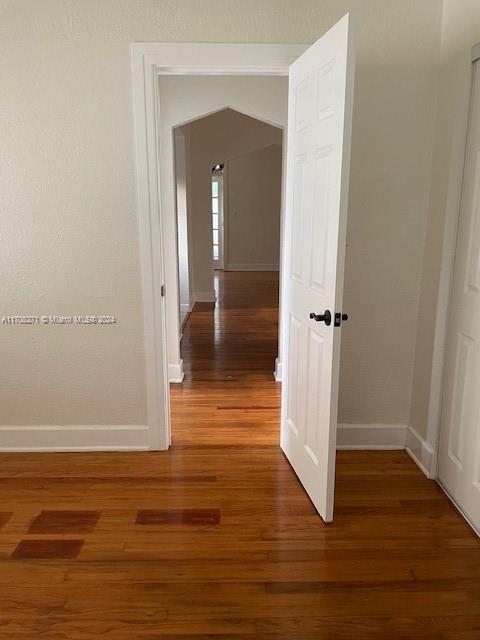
338, 319
327, 318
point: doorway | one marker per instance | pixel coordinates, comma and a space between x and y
228, 185
220, 103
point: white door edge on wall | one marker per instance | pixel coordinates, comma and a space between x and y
444, 291
459, 443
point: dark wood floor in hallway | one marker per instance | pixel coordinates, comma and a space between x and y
216, 539
229, 395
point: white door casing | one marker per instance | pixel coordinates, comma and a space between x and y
459, 450
156, 223
183, 231
318, 159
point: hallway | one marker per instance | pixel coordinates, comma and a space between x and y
216, 539
229, 395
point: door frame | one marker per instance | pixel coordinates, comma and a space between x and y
149, 61
447, 266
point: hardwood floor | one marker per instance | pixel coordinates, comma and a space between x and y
216, 539
229, 395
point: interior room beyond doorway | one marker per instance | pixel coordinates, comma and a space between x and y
213, 104
228, 196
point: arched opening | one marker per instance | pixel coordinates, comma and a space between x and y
228, 168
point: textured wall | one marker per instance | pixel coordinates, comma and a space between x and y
68, 220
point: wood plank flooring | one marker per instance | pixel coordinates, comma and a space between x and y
216, 539
229, 395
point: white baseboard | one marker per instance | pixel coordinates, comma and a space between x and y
421, 453
371, 436
204, 296
185, 310
277, 374
175, 372
186, 307
239, 266
388, 436
113, 437
136, 438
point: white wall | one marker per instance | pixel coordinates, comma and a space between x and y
186, 98
68, 202
460, 31
254, 184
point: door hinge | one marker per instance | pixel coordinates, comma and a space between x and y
162, 290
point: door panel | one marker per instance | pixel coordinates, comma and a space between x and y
294, 342
315, 402
320, 221
318, 157
461, 384
473, 277
298, 219
459, 451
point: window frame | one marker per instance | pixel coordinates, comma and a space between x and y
219, 179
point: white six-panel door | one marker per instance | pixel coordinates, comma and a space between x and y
459, 451
318, 157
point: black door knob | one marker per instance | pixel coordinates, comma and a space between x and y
325, 317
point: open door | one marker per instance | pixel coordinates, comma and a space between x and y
318, 159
